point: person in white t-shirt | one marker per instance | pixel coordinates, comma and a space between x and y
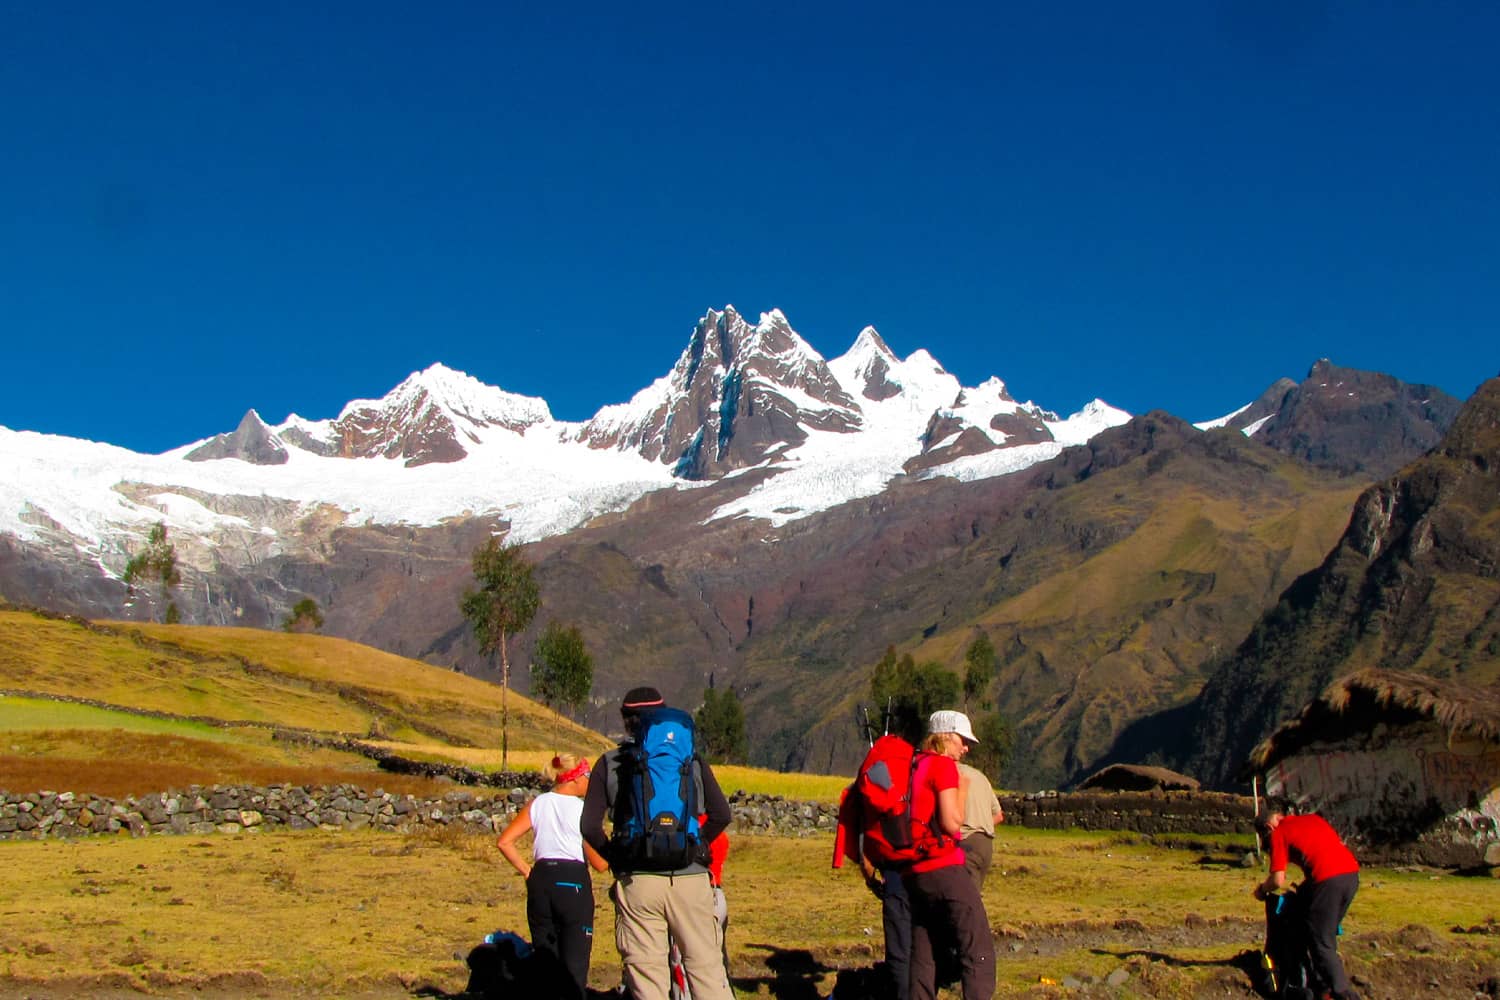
559, 891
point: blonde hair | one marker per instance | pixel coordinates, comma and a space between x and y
936, 742
561, 763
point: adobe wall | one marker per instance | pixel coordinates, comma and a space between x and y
1403, 795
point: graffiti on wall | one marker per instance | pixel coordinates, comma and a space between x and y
1394, 784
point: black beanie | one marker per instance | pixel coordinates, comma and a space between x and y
638, 698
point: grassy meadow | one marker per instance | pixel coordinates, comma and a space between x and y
377, 914
169, 706
388, 914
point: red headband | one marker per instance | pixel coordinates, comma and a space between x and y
582, 770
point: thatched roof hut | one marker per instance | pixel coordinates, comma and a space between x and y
1407, 765
1137, 778
1359, 701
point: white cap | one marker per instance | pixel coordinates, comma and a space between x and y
948, 721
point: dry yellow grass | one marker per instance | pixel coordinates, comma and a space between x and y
384, 914
379, 914
272, 678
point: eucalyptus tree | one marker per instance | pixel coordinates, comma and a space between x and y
503, 602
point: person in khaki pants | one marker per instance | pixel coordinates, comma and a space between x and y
654, 908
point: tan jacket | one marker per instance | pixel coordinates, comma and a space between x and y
981, 805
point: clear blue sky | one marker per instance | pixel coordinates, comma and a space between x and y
211, 207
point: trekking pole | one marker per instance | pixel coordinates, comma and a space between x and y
1255, 796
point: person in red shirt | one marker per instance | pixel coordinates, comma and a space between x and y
946, 910
1331, 878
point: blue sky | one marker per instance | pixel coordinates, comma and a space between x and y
211, 207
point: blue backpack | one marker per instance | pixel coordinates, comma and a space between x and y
656, 803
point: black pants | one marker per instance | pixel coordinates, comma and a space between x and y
895, 917
946, 912
1326, 903
560, 913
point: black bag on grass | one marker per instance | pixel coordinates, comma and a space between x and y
1285, 960
507, 967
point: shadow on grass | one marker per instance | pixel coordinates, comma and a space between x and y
435, 993
794, 974
1247, 961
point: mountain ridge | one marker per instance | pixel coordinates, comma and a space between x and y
758, 517
1413, 583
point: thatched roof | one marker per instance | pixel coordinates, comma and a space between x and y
1138, 778
1358, 701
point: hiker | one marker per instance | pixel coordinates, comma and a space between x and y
981, 806
861, 836
653, 902
882, 874
1331, 878
559, 892
718, 853
946, 911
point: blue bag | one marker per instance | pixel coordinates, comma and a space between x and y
656, 803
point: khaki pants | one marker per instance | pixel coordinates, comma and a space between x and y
979, 854
647, 907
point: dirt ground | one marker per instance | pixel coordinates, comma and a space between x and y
1414, 962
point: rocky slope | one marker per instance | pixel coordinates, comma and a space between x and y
1413, 584
1352, 422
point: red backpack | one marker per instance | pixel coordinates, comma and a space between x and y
875, 811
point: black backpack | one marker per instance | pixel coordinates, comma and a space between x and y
656, 796
506, 967
1286, 961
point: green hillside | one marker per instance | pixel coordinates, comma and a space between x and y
125, 708
1148, 553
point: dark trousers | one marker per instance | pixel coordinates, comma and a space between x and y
979, 854
946, 912
1326, 903
560, 913
895, 917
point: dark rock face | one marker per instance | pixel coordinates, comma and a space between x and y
298, 438
252, 441
418, 431
1414, 584
948, 437
1267, 405
1356, 422
729, 407
426, 419
876, 373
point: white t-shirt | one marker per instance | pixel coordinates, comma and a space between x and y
554, 824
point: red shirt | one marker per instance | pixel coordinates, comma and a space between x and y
1312, 845
718, 853
934, 774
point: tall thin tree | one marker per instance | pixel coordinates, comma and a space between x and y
562, 670
503, 602
157, 564
979, 669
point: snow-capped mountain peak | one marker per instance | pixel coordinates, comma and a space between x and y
443, 445
737, 395
434, 415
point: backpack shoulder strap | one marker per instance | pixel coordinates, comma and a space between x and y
698, 780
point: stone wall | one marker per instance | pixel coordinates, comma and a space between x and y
1136, 812
235, 809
